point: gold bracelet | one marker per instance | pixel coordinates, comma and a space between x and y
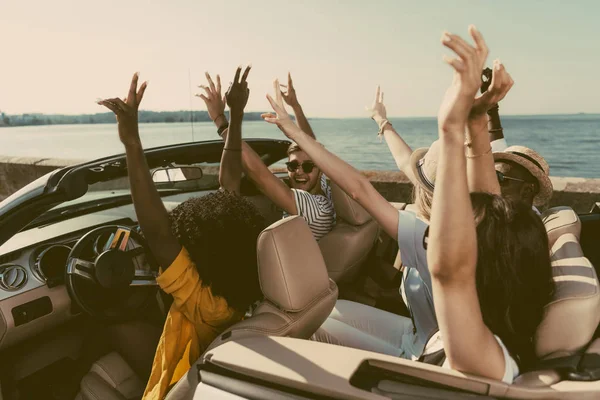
480, 155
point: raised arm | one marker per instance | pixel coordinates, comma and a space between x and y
452, 250
230, 169
398, 147
291, 99
481, 172
255, 168
149, 208
349, 179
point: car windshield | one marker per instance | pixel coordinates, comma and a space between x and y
114, 192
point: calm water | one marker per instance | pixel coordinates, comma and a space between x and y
570, 144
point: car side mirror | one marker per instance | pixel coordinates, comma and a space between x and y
177, 174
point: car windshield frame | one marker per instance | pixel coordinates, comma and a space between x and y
71, 183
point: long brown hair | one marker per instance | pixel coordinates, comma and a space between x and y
514, 276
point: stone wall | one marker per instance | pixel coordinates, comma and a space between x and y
579, 193
16, 172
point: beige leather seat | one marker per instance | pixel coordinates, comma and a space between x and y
350, 241
299, 296
573, 315
111, 378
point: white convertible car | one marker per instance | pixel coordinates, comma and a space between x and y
79, 319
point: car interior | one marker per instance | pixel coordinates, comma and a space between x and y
62, 337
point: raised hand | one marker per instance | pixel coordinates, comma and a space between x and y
377, 110
501, 83
281, 118
215, 103
238, 92
459, 98
290, 95
126, 111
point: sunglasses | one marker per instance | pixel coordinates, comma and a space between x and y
503, 178
307, 166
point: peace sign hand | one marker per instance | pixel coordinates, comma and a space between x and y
378, 111
238, 92
281, 118
290, 94
126, 111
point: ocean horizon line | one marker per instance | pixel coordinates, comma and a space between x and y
257, 113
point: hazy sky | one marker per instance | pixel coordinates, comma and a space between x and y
58, 56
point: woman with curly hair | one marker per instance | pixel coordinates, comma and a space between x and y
212, 286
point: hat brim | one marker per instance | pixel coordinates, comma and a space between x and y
545, 184
417, 155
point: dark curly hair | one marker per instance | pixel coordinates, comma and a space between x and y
220, 231
514, 275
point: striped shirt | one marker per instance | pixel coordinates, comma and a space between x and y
316, 209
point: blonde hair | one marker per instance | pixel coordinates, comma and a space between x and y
423, 199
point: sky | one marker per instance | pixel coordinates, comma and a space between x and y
59, 56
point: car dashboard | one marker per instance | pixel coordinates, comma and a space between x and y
33, 296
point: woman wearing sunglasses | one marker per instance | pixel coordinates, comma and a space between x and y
308, 193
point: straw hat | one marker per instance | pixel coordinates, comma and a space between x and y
535, 164
424, 162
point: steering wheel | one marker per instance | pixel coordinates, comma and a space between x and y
111, 274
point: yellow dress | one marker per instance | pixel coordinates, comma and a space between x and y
194, 320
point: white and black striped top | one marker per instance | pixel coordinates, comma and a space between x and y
317, 210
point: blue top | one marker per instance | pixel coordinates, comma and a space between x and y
416, 280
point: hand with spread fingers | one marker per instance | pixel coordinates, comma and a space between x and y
459, 98
281, 118
501, 83
215, 102
126, 111
377, 110
238, 92
289, 96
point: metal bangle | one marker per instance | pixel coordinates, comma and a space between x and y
480, 155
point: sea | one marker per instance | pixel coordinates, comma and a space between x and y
570, 143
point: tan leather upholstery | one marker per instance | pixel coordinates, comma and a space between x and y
561, 220
290, 265
413, 208
538, 379
348, 209
299, 295
398, 206
347, 245
111, 378
572, 316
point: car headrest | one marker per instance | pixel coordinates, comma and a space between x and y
561, 220
291, 269
348, 209
573, 314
